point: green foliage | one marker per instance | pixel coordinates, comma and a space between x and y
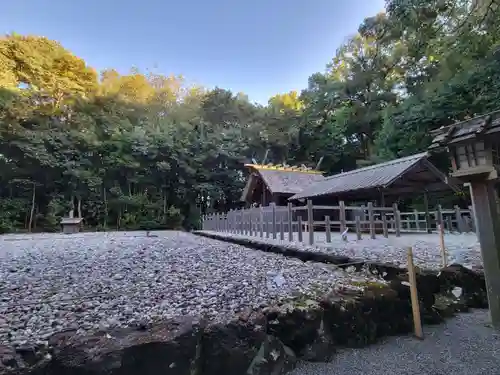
148, 151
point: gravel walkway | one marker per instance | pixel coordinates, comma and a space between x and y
52, 282
461, 248
464, 345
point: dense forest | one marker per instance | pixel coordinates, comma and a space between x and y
143, 150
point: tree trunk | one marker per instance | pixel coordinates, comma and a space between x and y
79, 206
105, 199
165, 204
32, 211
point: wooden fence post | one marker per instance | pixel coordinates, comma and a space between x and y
412, 277
371, 220
473, 218
273, 211
290, 222
397, 221
310, 221
362, 216
443, 247
328, 229
416, 217
458, 214
385, 229
358, 226
299, 221
439, 214
231, 220
342, 216
250, 224
428, 224
261, 221
282, 229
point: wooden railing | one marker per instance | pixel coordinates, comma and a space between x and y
283, 221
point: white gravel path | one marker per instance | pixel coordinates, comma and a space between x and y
461, 248
52, 282
464, 345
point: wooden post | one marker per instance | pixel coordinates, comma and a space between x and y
268, 226
261, 220
358, 226
467, 225
273, 210
427, 213
397, 220
439, 215
417, 323
484, 197
371, 220
251, 222
443, 248
233, 221
310, 221
362, 216
473, 219
384, 224
328, 229
282, 228
458, 215
299, 220
290, 222
449, 223
416, 217
342, 216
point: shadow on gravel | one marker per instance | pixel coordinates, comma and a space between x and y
265, 341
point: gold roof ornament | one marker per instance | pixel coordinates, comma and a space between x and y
283, 168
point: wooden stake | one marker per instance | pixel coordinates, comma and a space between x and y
412, 277
443, 248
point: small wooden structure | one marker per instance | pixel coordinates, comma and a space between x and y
71, 224
473, 147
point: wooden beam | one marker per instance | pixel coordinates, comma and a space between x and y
413, 189
488, 231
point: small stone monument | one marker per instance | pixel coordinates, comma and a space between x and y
71, 224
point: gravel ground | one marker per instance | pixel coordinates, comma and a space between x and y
464, 345
461, 248
51, 282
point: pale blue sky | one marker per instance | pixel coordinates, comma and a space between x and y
259, 47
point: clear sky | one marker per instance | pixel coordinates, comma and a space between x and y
259, 47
